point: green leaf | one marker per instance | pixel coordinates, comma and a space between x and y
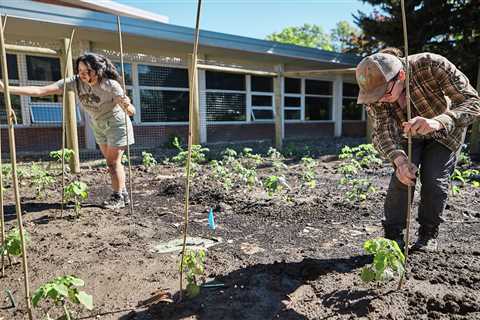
367, 274
85, 299
38, 295
61, 289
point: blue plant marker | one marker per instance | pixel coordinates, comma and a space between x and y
211, 220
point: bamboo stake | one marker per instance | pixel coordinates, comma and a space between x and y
130, 194
193, 87
13, 160
64, 102
2, 214
409, 116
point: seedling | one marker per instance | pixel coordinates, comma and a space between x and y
12, 246
194, 267
221, 173
40, 180
463, 177
198, 155
63, 290
365, 154
57, 155
148, 160
309, 175
359, 189
76, 192
273, 184
388, 260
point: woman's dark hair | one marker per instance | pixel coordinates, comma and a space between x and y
393, 51
103, 67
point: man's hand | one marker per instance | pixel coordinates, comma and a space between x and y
406, 171
422, 126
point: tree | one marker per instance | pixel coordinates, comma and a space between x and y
308, 35
448, 27
343, 36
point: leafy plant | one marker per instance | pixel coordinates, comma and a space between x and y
57, 155
194, 267
388, 260
359, 189
76, 191
273, 184
63, 290
365, 154
12, 245
464, 177
148, 160
309, 175
198, 155
464, 159
40, 180
222, 174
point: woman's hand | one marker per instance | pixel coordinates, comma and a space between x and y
126, 105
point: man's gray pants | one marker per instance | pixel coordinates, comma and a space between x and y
436, 163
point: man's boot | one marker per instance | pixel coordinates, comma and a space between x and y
427, 239
395, 233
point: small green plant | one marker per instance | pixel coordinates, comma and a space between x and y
76, 191
250, 160
222, 174
463, 177
13, 244
464, 159
6, 170
273, 184
198, 155
194, 268
148, 160
40, 179
229, 155
124, 159
309, 175
57, 155
388, 260
63, 290
365, 154
359, 189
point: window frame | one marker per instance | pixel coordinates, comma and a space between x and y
364, 116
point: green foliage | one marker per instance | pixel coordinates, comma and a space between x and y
464, 177
308, 172
13, 243
6, 170
40, 179
308, 35
342, 36
454, 29
76, 191
61, 291
273, 184
359, 189
250, 160
198, 156
464, 159
364, 154
148, 160
277, 160
388, 260
222, 174
57, 155
193, 267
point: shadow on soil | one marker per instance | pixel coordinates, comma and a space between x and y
260, 292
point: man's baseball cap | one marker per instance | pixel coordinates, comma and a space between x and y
373, 74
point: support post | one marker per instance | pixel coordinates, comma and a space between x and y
277, 90
475, 136
193, 87
70, 111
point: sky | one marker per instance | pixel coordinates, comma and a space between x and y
255, 19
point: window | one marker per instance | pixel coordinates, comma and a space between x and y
262, 98
225, 96
16, 106
351, 110
128, 72
43, 68
164, 94
12, 66
292, 99
49, 113
318, 100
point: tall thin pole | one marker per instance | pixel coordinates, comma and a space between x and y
409, 116
193, 88
130, 184
64, 101
13, 160
2, 214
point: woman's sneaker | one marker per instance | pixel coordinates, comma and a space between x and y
116, 201
126, 197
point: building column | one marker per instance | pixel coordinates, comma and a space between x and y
338, 105
278, 94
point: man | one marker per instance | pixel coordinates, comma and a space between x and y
443, 104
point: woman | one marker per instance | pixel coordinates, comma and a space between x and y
97, 87
437, 126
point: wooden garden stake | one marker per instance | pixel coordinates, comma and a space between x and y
64, 99
409, 116
13, 160
126, 115
193, 88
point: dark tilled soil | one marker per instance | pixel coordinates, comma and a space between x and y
291, 256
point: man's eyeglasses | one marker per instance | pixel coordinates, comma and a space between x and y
389, 92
